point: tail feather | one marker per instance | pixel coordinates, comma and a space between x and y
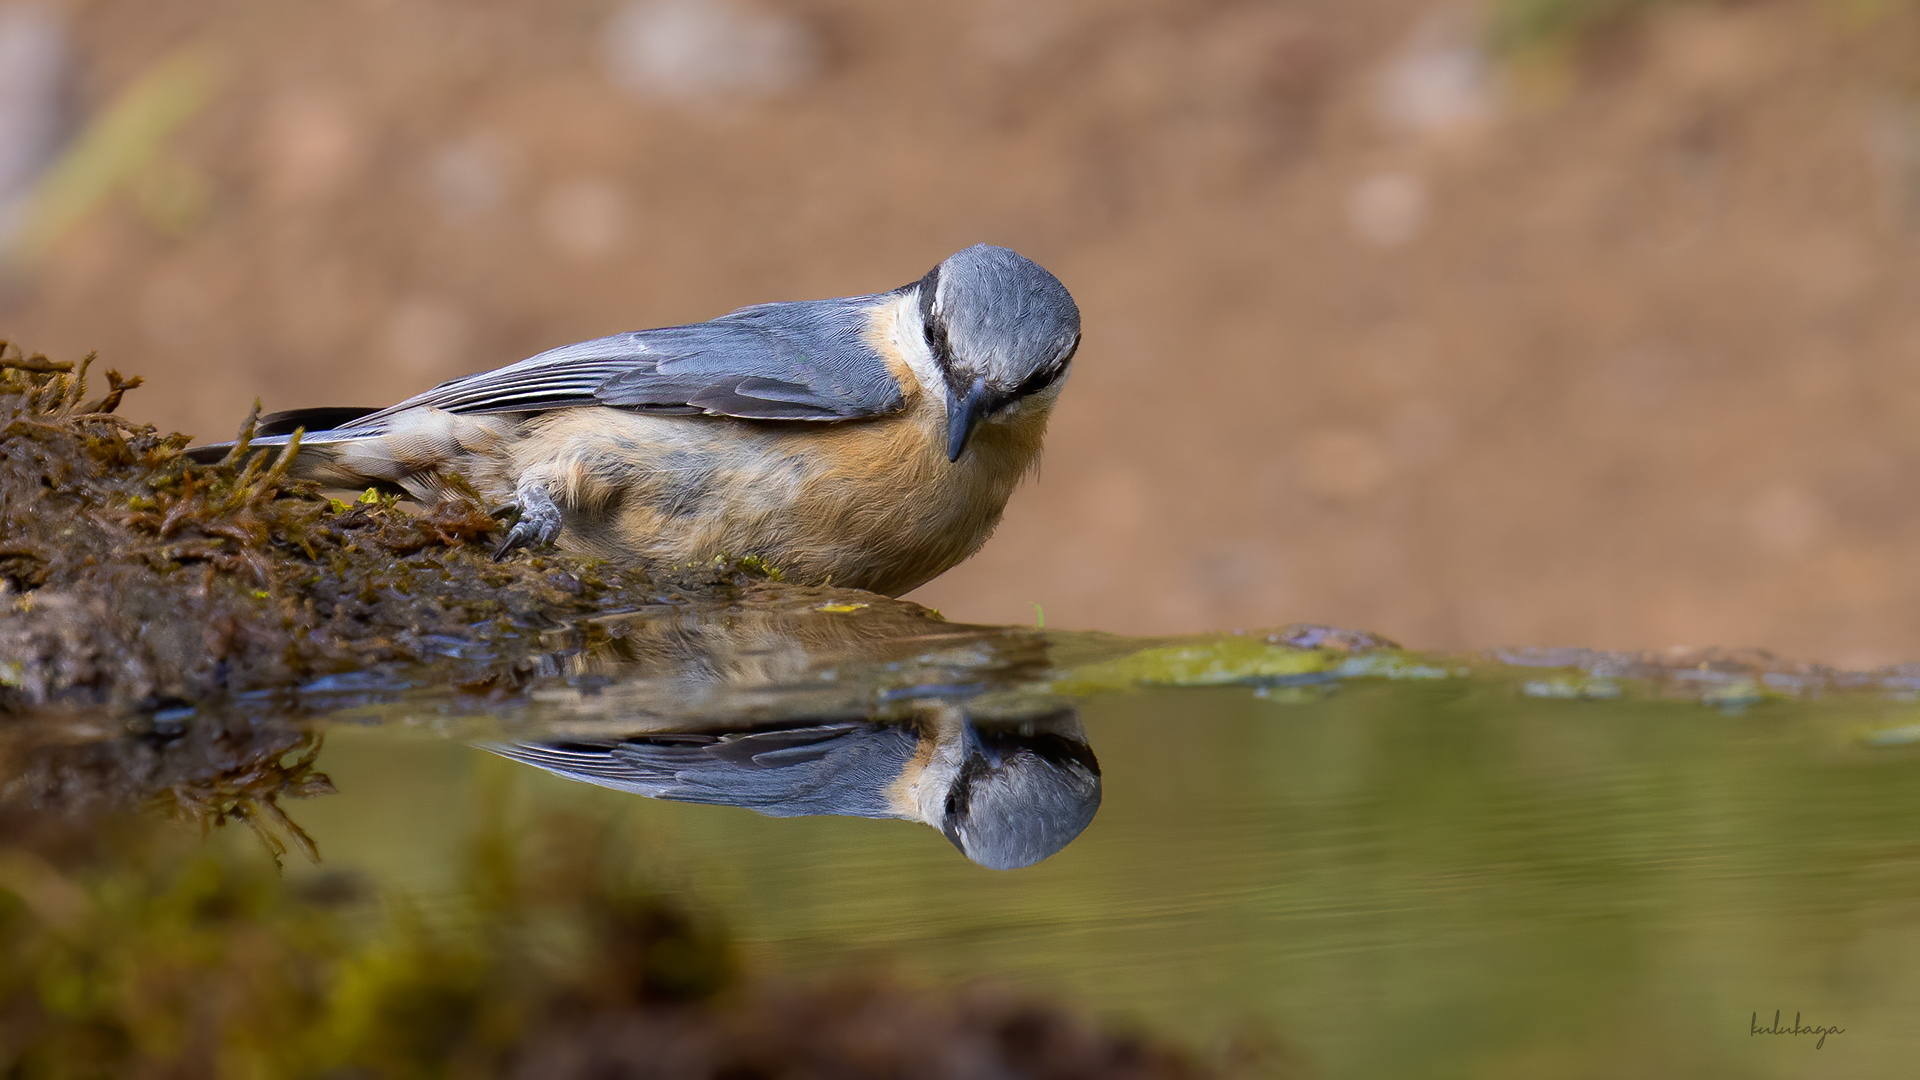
275, 429
209, 454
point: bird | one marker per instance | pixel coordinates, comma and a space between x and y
866, 442
1006, 795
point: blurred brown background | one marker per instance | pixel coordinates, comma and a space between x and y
1544, 321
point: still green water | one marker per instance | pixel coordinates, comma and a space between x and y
1476, 876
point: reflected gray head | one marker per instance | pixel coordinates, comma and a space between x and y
1000, 328
1020, 797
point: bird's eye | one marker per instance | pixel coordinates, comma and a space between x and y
938, 343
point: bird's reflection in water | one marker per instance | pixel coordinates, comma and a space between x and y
1007, 794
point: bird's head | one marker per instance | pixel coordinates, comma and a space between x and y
1000, 329
1020, 793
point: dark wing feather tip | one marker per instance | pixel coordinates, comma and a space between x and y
324, 418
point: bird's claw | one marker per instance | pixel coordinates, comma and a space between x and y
536, 522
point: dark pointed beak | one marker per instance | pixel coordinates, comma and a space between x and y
962, 415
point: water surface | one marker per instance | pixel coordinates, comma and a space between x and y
1396, 865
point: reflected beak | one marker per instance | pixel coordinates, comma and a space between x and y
962, 415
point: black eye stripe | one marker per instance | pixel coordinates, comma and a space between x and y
1038, 381
937, 341
1048, 375
960, 795
932, 326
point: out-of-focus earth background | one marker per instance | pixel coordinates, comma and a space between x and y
1545, 321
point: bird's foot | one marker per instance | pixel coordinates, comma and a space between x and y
536, 521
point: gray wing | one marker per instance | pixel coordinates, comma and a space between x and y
841, 768
808, 360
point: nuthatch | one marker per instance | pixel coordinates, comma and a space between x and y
869, 442
1007, 796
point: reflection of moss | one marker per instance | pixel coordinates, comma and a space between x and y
251, 792
545, 962
207, 772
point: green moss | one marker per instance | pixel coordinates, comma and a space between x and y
1521, 25
1209, 663
750, 567
1298, 653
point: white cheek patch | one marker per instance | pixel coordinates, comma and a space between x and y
910, 340
921, 793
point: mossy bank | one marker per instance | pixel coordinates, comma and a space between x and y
134, 579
